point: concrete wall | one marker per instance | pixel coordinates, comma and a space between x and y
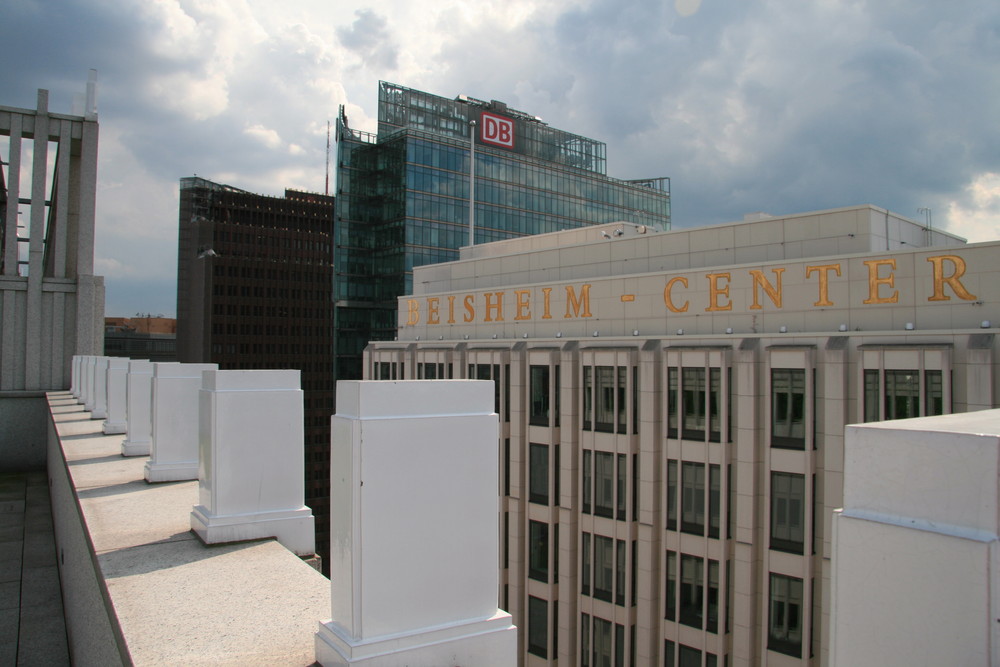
22, 438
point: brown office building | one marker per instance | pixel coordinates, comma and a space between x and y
254, 275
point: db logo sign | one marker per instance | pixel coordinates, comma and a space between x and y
497, 130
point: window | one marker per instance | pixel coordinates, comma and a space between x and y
620, 573
602, 642
689, 657
584, 640
587, 480
872, 393
671, 592
619, 645
539, 409
672, 495
787, 512
538, 626
622, 486
902, 394
604, 399
588, 386
714, 496
693, 498
934, 393
671, 402
693, 403
692, 591
585, 564
538, 561
788, 411
603, 567
785, 622
539, 474
604, 484
712, 624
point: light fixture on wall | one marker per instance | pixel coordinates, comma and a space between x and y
782, 329
729, 330
635, 332
524, 335
842, 327
985, 324
596, 334
908, 326
559, 334
494, 336
680, 332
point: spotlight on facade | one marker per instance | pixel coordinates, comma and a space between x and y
494, 336
440, 337
605, 234
985, 324
596, 334
559, 334
842, 327
729, 330
680, 332
635, 332
418, 338
524, 335
466, 336
908, 326
619, 232
782, 329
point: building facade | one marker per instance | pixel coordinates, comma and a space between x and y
153, 338
403, 198
253, 292
672, 409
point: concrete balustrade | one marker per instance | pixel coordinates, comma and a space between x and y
74, 376
100, 405
173, 452
87, 390
117, 379
414, 527
139, 407
252, 454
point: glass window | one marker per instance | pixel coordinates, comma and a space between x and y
602, 642
671, 402
619, 645
715, 404
714, 496
587, 480
539, 474
668, 653
538, 547
693, 498
538, 626
872, 395
604, 484
693, 403
713, 596
671, 592
604, 399
785, 622
620, 573
588, 388
622, 486
934, 390
692, 591
603, 567
902, 394
584, 640
787, 512
539, 409
585, 564
672, 494
788, 412
689, 657
622, 402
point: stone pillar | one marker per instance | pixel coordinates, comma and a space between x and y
414, 527
87, 388
251, 454
139, 407
173, 452
117, 378
99, 401
74, 381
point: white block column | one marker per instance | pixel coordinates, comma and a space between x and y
173, 452
87, 388
414, 504
252, 454
117, 379
74, 382
99, 409
139, 406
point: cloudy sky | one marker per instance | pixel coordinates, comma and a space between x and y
780, 106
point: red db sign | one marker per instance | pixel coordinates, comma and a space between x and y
497, 130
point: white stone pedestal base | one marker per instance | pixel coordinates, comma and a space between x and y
130, 448
171, 472
295, 529
485, 643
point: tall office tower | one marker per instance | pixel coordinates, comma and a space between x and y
253, 292
672, 414
403, 198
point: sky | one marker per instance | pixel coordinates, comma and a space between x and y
780, 106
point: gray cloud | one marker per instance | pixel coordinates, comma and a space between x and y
370, 39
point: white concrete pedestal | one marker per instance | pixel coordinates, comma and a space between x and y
87, 391
117, 379
74, 382
173, 454
252, 453
99, 407
414, 504
139, 406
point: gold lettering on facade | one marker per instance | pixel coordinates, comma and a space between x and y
715, 291
774, 293
668, 298
576, 305
874, 281
628, 298
412, 312
451, 309
952, 281
469, 302
522, 303
546, 294
496, 307
824, 281
432, 310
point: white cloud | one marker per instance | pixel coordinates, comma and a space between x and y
977, 216
264, 135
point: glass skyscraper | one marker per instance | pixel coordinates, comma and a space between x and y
403, 198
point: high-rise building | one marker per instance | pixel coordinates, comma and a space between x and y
403, 197
672, 415
253, 292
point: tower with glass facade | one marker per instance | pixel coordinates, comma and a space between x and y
403, 198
